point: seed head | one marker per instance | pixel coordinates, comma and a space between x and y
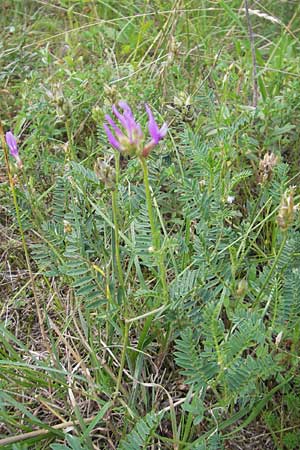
106, 173
266, 167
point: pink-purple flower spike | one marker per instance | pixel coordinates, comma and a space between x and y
155, 132
13, 147
12, 144
131, 138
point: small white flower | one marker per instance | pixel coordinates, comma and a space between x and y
230, 199
278, 338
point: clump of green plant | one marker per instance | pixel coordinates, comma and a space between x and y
154, 299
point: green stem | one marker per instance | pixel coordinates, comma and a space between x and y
123, 358
114, 197
159, 254
70, 147
272, 269
189, 422
187, 237
120, 276
155, 237
15, 201
155, 232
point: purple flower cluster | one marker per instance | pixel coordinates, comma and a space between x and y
130, 138
13, 147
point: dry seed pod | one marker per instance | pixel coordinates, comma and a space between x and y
111, 94
105, 173
266, 167
287, 209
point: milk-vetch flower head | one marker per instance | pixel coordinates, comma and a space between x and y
130, 138
13, 147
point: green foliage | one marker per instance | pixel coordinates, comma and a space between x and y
140, 436
176, 340
73, 444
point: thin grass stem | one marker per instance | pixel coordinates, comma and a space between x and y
24, 244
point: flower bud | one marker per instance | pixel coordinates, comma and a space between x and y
242, 288
13, 148
105, 173
278, 338
287, 209
67, 227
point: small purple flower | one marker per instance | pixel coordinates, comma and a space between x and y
12, 144
155, 132
13, 147
130, 139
